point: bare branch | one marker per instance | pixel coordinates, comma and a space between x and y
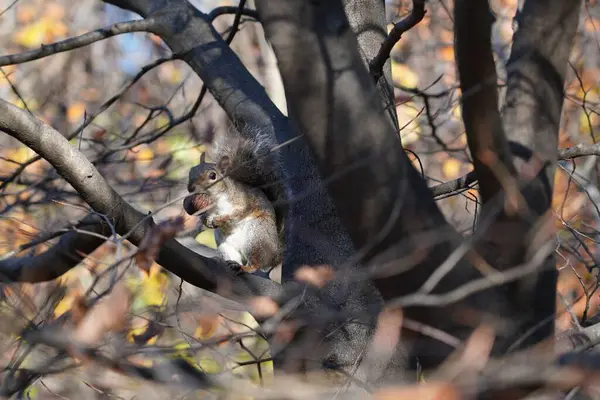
78, 41
416, 15
579, 150
453, 186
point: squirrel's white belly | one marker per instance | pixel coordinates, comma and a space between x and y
233, 247
224, 206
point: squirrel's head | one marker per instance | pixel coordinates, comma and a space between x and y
208, 175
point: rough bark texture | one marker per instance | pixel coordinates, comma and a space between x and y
367, 20
478, 81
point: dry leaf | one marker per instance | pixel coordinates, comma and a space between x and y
446, 53
263, 306
428, 391
75, 112
207, 325
153, 241
403, 75
108, 315
317, 276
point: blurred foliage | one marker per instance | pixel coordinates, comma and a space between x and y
149, 168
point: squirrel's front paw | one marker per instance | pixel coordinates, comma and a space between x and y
235, 267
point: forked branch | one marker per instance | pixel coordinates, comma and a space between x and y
416, 15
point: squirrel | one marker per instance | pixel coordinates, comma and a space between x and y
239, 187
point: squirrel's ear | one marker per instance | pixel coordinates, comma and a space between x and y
224, 164
202, 158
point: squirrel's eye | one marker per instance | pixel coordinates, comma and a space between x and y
212, 176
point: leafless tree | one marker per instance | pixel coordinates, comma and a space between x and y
354, 199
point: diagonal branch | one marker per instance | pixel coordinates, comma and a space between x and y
465, 181
477, 72
78, 41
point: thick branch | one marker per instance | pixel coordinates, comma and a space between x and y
93, 188
78, 41
379, 196
477, 71
536, 72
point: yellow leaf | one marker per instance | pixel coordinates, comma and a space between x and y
63, 306
207, 238
34, 34
154, 289
161, 120
585, 121
403, 75
451, 168
140, 327
150, 290
143, 153
19, 154
182, 352
75, 111
209, 365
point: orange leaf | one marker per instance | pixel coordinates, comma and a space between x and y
75, 111
451, 168
446, 53
429, 391
25, 13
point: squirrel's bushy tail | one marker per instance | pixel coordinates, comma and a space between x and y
250, 156
253, 161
